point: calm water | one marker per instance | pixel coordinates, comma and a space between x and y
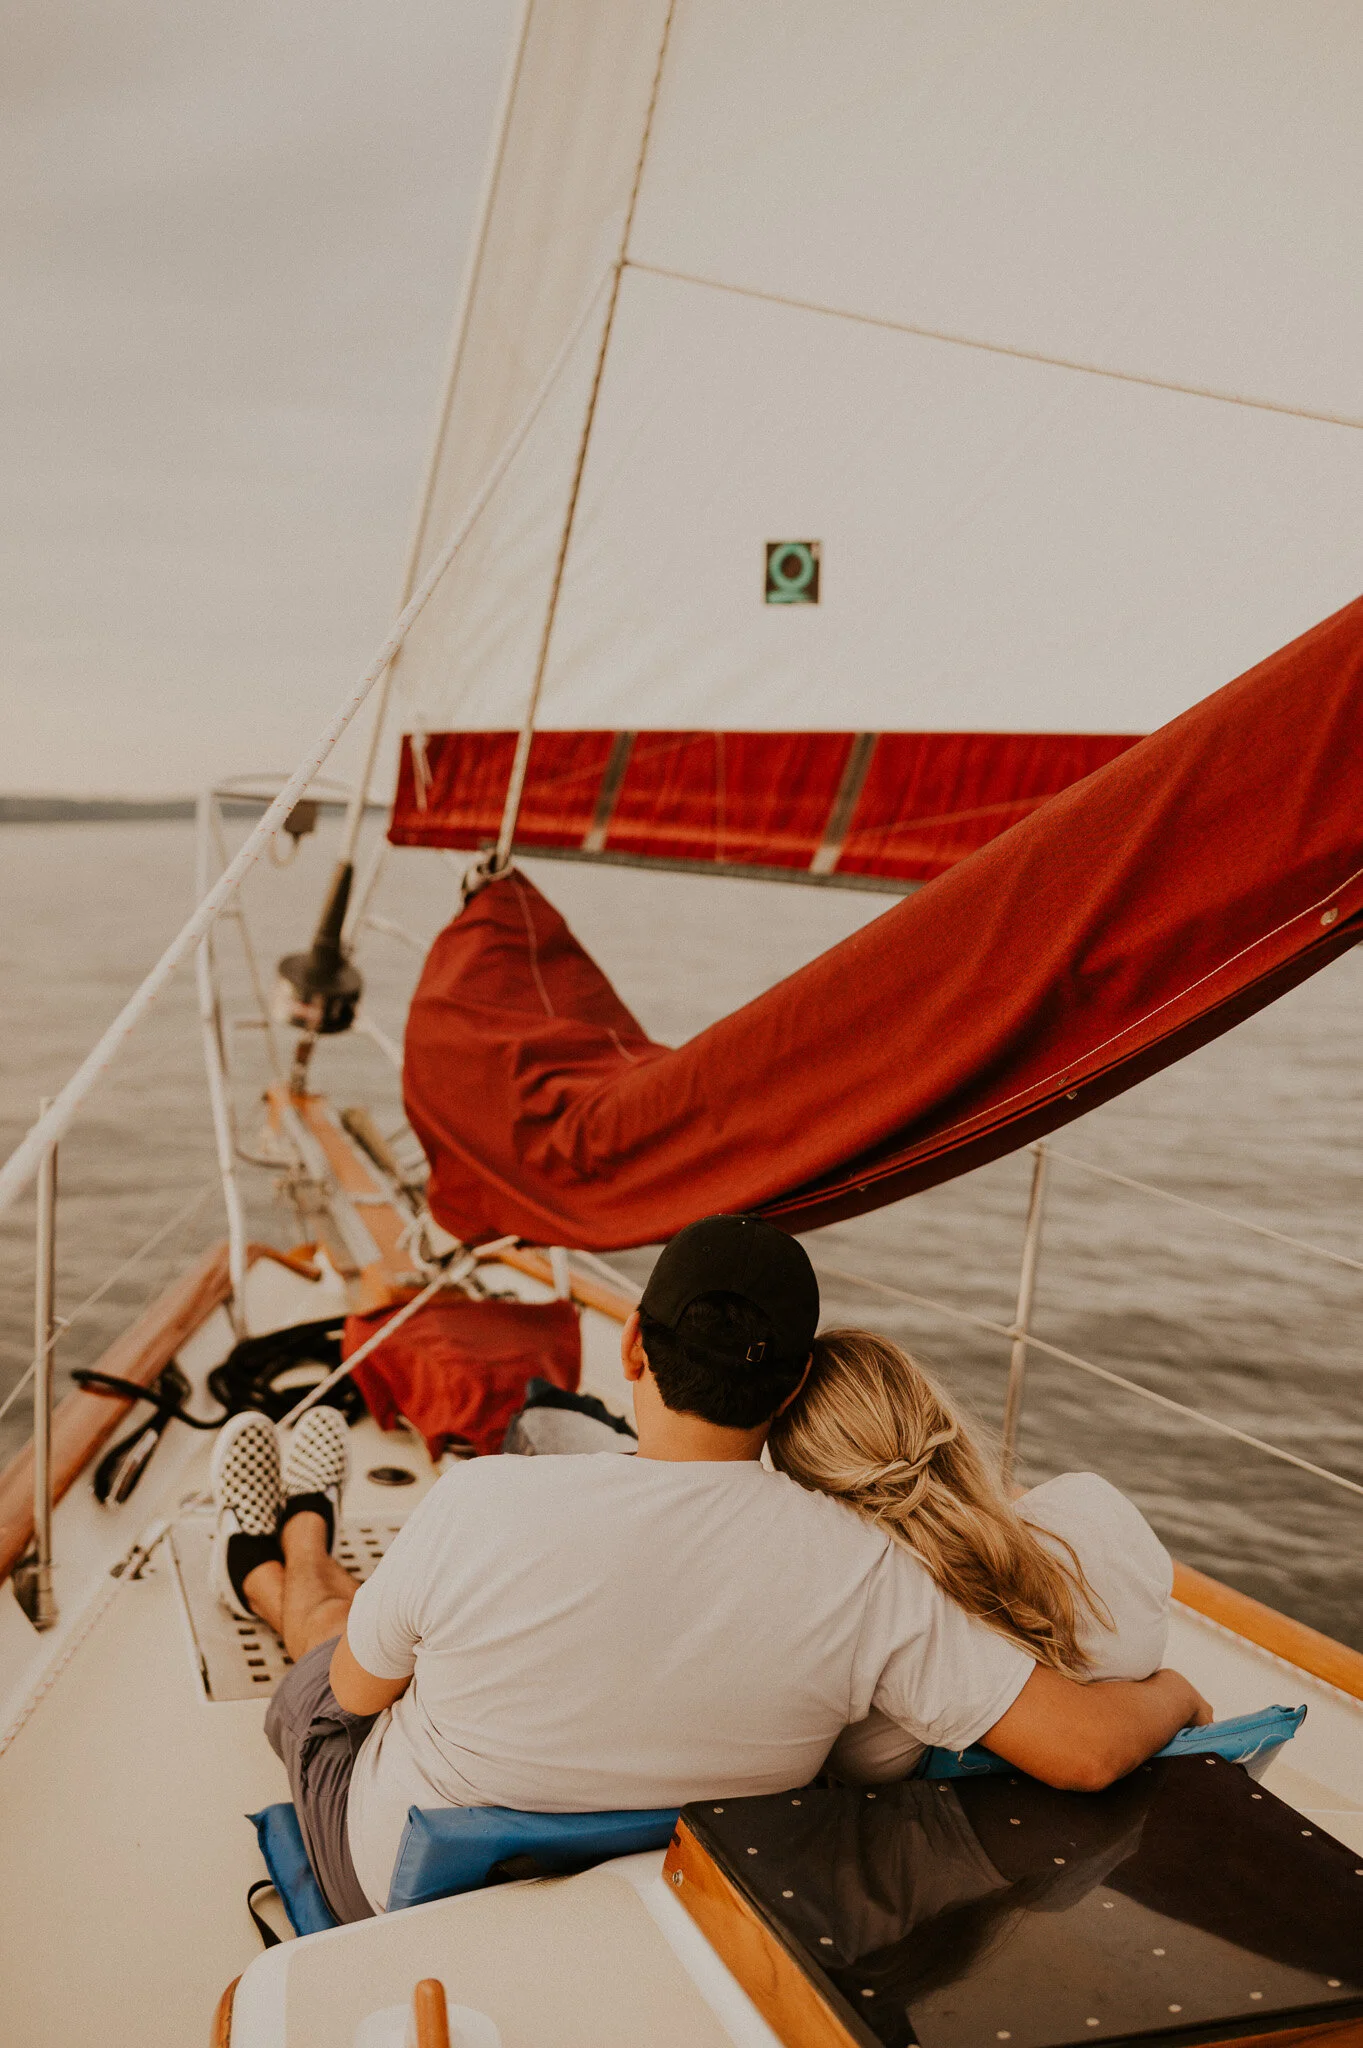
1267, 1123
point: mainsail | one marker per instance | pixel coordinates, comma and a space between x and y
957, 394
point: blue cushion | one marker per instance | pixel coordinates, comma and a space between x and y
286, 1859
1247, 1738
452, 1849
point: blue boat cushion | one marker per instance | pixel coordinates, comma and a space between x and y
445, 1850
286, 1859
1249, 1738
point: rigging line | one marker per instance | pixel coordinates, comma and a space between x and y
1100, 1372
487, 199
376, 1035
391, 930
248, 948
355, 809
65, 1323
1145, 1187
608, 1272
17, 1389
449, 1275
515, 788
182, 1216
22, 1163
1001, 348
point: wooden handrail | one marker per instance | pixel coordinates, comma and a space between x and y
82, 1423
222, 2018
1293, 1641
430, 2014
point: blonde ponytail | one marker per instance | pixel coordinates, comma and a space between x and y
870, 1428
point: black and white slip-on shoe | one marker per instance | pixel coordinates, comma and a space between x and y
316, 1467
246, 1494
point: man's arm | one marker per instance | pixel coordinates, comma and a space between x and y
1082, 1737
358, 1691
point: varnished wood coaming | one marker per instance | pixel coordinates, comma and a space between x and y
1293, 1641
797, 2011
786, 1998
222, 2018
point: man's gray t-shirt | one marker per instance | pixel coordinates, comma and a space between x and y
593, 1633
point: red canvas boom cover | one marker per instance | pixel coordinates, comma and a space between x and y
871, 809
1132, 918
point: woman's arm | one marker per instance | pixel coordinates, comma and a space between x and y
1082, 1737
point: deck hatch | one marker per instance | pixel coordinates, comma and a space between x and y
1184, 1905
242, 1660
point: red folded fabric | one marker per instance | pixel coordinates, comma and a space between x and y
458, 1370
1146, 908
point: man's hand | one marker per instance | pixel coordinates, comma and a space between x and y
356, 1689
1082, 1737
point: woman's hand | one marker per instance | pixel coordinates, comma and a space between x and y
1201, 1712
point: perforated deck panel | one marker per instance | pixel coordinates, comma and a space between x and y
243, 1660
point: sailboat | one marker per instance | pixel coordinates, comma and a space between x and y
891, 447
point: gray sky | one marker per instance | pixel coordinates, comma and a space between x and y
232, 239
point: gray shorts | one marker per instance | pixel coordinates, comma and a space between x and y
318, 1741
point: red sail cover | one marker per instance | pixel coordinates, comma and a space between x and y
1132, 918
887, 809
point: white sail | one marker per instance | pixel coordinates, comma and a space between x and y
1042, 321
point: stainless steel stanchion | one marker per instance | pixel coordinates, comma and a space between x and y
1017, 1364
33, 1576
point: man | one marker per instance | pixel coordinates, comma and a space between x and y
567, 1634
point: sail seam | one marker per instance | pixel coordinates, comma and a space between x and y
1000, 348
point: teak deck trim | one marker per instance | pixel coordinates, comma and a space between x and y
1250, 1619
773, 1980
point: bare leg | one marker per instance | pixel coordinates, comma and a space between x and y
307, 1598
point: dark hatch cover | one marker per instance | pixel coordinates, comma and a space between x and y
1184, 1902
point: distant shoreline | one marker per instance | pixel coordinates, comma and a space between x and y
118, 810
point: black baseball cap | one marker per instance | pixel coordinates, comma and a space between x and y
746, 1256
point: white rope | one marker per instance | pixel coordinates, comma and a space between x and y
17, 1389
1100, 1372
22, 1163
1145, 1187
515, 789
391, 930
389, 1047
609, 1272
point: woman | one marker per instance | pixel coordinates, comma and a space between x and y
1072, 1572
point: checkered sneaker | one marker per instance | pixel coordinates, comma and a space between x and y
246, 1481
317, 1458
246, 1492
